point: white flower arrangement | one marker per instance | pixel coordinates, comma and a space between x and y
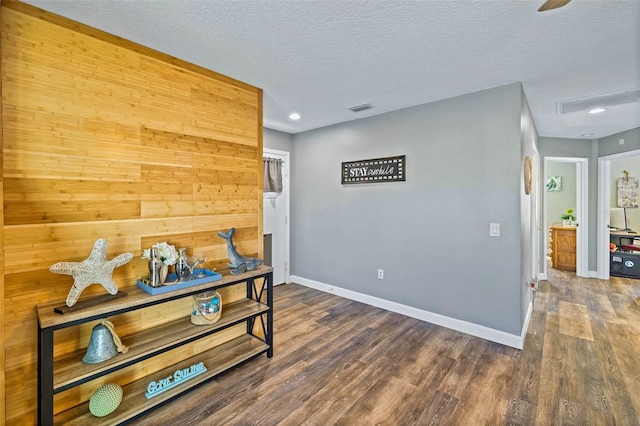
168, 254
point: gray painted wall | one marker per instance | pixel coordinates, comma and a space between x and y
430, 234
274, 139
562, 147
611, 144
559, 201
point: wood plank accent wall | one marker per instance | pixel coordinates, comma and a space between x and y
2, 340
104, 138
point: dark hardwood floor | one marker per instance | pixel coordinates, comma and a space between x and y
340, 362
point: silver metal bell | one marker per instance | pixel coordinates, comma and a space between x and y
101, 346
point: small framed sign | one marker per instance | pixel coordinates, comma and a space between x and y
390, 169
554, 183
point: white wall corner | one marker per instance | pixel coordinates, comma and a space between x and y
472, 329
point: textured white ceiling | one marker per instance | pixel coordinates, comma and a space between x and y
320, 57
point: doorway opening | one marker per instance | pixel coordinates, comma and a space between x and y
576, 181
606, 177
275, 209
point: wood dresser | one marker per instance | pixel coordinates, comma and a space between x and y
563, 247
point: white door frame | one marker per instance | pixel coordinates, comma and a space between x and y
604, 209
286, 156
536, 214
582, 202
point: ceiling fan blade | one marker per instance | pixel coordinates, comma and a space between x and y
552, 4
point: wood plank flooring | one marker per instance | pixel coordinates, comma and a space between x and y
340, 362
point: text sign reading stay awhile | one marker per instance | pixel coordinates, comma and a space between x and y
390, 169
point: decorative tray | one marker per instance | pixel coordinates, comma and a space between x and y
171, 284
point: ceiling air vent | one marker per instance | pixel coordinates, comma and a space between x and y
361, 107
608, 99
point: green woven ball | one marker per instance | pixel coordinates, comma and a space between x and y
105, 400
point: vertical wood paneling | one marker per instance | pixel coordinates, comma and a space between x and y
103, 138
2, 285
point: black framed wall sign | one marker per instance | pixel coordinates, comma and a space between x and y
390, 169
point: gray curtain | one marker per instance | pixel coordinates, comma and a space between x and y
272, 168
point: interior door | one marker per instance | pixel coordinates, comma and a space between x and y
276, 227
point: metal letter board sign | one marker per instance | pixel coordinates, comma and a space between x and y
390, 169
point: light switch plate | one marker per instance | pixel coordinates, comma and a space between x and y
494, 229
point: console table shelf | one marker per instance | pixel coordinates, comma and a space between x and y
56, 375
221, 358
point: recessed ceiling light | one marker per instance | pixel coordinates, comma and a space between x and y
596, 110
587, 135
294, 116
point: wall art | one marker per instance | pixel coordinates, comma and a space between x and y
390, 169
628, 195
527, 175
554, 183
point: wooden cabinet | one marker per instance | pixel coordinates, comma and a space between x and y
563, 247
57, 374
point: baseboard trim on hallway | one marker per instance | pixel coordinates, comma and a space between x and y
477, 330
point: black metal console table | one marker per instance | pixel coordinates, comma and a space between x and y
57, 374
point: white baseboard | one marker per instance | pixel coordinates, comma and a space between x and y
525, 325
481, 331
592, 274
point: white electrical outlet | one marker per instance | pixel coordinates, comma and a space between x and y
381, 274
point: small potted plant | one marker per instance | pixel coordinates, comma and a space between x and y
568, 218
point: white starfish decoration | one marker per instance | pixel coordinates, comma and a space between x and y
96, 269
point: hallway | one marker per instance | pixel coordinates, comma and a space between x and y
580, 360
